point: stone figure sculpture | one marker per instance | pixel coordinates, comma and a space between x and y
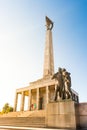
49, 24
59, 87
64, 84
67, 84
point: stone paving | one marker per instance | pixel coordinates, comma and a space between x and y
31, 128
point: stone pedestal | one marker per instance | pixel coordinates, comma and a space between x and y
61, 115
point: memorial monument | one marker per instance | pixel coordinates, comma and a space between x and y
52, 92
44, 90
51, 100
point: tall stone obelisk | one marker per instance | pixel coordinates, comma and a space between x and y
48, 53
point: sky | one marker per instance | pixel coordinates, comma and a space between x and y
22, 41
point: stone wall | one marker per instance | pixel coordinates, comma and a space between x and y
83, 114
66, 114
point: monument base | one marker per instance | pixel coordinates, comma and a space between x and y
62, 115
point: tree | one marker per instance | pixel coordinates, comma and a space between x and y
6, 108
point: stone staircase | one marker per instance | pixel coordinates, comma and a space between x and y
25, 118
23, 121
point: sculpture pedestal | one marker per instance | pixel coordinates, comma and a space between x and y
61, 114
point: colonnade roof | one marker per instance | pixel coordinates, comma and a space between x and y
47, 81
38, 84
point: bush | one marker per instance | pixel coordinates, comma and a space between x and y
6, 108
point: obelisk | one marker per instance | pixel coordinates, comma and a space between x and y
48, 53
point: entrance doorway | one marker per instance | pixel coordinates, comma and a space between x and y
41, 103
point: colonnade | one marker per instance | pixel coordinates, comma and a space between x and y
29, 91
48, 97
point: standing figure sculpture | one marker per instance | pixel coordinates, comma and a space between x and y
49, 24
67, 84
64, 84
58, 76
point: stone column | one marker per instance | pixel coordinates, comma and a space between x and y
15, 102
48, 55
47, 95
22, 101
29, 100
37, 98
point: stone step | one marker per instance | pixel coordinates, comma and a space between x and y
36, 113
11, 114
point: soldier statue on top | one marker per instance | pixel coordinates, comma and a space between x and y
64, 84
49, 24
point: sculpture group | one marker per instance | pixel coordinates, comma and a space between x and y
63, 87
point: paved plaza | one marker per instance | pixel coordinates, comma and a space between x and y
31, 128
25, 128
